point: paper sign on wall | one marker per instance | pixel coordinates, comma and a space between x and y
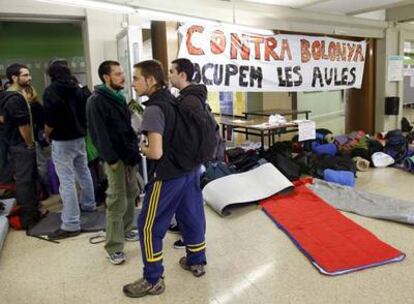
395, 68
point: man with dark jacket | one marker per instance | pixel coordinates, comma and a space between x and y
109, 123
180, 75
18, 142
170, 190
65, 124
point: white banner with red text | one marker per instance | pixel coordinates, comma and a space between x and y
227, 60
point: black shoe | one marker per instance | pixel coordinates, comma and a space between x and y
174, 229
62, 234
179, 244
87, 210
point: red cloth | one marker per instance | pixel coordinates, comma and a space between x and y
335, 243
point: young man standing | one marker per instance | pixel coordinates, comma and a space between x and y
18, 131
65, 126
170, 190
180, 75
109, 123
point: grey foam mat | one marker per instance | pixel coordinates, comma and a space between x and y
364, 203
4, 228
8, 204
245, 188
90, 222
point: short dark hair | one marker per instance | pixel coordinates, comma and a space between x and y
14, 70
185, 65
59, 69
152, 68
105, 68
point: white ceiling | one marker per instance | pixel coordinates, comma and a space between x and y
350, 7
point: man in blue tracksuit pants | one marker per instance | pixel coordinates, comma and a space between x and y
171, 190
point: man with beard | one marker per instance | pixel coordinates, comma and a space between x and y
18, 134
65, 124
109, 123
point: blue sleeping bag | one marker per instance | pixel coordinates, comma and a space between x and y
341, 177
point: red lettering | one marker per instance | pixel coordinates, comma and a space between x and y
285, 49
324, 53
316, 50
270, 45
236, 45
331, 51
340, 51
351, 50
217, 42
358, 53
304, 50
257, 40
191, 49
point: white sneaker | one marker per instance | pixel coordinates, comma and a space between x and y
117, 258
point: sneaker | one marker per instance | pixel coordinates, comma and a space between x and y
179, 244
62, 234
142, 287
117, 258
132, 236
197, 270
174, 229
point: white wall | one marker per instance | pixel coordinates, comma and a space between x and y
101, 30
99, 27
322, 104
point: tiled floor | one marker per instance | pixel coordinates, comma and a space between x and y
250, 261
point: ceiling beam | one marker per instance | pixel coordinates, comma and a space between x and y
379, 7
400, 14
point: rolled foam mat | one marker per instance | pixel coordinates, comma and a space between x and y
90, 222
333, 243
243, 188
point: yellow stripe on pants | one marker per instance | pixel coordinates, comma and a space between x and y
149, 222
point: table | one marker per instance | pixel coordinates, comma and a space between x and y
259, 127
284, 112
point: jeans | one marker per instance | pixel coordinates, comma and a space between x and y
69, 157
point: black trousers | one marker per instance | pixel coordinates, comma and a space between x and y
25, 173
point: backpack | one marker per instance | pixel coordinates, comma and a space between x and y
4, 144
396, 145
215, 170
194, 139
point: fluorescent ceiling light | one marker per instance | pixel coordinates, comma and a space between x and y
289, 3
95, 5
155, 15
162, 16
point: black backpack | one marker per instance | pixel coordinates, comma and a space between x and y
396, 145
194, 139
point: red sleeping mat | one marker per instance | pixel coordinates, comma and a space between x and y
333, 243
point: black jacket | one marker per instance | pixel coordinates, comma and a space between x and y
64, 104
109, 125
38, 118
164, 168
194, 95
15, 112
